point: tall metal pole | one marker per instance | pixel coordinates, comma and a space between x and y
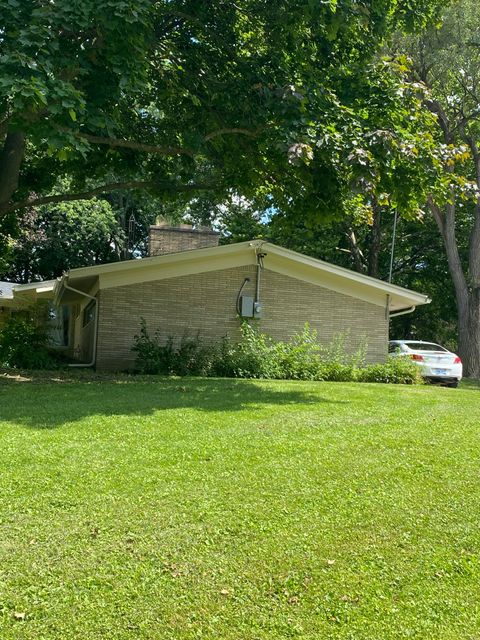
393, 245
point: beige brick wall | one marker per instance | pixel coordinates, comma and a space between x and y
164, 239
205, 302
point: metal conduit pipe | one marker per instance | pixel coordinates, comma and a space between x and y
95, 328
257, 286
402, 313
257, 305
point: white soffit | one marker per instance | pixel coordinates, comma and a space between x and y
283, 261
177, 268
341, 280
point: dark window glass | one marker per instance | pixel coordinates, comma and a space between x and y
89, 312
421, 346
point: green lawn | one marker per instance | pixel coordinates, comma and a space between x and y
233, 510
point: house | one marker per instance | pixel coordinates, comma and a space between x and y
191, 285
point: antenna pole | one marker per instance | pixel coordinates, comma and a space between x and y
393, 245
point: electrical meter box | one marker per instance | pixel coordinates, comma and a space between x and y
247, 306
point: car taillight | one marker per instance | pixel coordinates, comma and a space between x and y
457, 360
416, 357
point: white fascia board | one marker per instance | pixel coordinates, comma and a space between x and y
175, 269
284, 261
339, 279
168, 259
25, 294
39, 287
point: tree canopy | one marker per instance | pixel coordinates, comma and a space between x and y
183, 96
447, 62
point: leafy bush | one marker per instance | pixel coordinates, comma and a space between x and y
337, 372
24, 345
257, 355
252, 357
189, 358
394, 371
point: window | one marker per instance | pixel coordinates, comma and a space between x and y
58, 325
89, 312
424, 346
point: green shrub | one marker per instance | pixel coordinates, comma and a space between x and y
337, 372
302, 357
153, 357
395, 371
257, 355
24, 345
251, 357
336, 352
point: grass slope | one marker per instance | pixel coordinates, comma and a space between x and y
238, 510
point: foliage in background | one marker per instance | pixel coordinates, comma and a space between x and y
180, 96
257, 355
24, 343
447, 62
55, 238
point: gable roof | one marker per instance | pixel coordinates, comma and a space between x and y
283, 261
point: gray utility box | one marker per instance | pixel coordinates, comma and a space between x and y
249, 308
246, 306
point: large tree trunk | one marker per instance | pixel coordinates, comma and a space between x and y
11, 158
467, 297
469, 329
469, 336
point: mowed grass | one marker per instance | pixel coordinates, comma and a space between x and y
185, 509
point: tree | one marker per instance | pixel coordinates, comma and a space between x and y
180, 95
447, 61
58, 237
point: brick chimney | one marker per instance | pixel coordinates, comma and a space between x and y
164, 238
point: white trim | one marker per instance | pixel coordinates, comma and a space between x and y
385, 287
173, 270
283, 261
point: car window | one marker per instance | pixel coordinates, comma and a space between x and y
393, 347
422, 346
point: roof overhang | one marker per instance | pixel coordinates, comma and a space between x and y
350, 283
278, 259
22, 295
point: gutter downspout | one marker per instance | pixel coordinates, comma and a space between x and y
95, 329
402, 313
257, 309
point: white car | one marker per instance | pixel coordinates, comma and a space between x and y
437, 363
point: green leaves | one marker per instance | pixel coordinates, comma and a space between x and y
264, 97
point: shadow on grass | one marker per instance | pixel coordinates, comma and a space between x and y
50, 400
469, 384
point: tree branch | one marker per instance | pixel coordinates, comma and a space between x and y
152, 148
435, 107
474, 240
437, 214
476, 156
355, 251
221, 132
112, 186
446, 224
130, 144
